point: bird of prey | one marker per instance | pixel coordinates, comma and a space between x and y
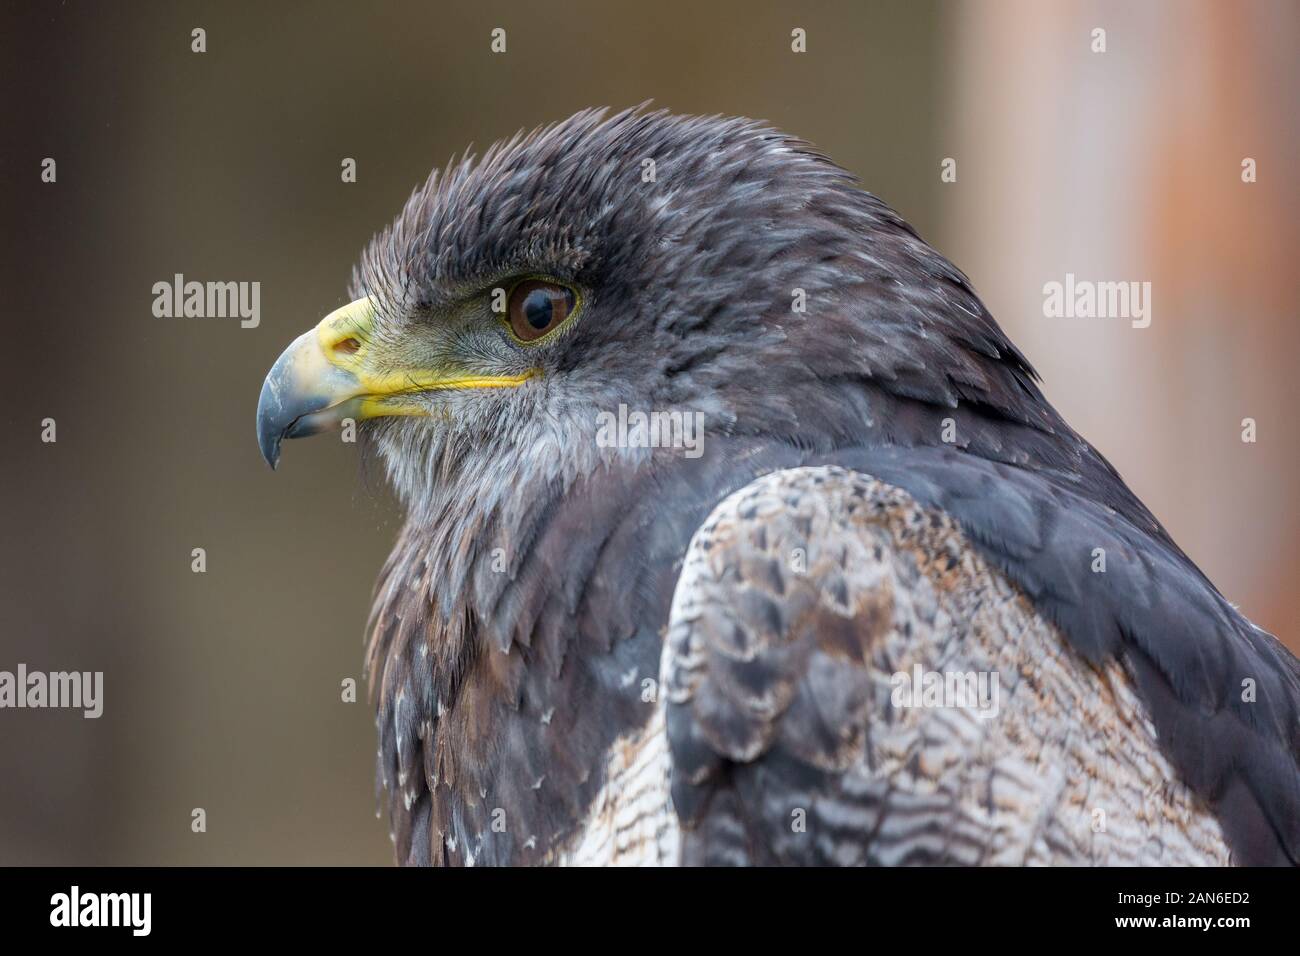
886, 608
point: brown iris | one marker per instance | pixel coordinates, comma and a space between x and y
537, 306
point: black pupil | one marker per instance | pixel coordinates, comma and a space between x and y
538, 308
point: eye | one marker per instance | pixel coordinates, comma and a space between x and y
537, 306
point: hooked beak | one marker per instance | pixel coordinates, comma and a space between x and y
331, 374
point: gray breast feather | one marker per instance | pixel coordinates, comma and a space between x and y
846, 681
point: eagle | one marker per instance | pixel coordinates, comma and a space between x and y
882, 606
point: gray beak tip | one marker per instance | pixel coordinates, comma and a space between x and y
270, 424
269, 443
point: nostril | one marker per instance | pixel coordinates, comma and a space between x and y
347, 346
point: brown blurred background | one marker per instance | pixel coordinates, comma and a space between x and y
223, 689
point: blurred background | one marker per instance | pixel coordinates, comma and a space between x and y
222, 689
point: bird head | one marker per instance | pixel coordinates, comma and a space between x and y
687, 264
